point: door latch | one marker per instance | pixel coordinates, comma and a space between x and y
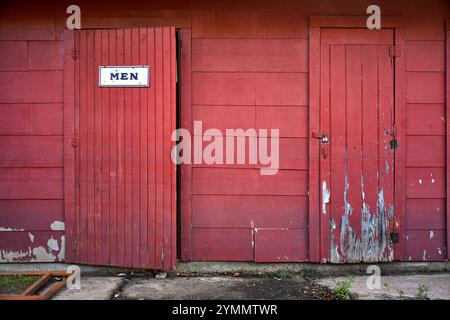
322, 137
324, 140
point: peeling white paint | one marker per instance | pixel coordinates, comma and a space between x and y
11, 229
58, 226
53, 244
31, 236
439, 251
42, 255
371, 244
432, 180
13, 256
420, 181
62, 252
334, 254
431, 234
325, 197
424, 257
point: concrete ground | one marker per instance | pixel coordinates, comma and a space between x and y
416, 286
195, 288
284, 286
92, 288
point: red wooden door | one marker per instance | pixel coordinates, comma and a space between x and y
124, 209
357, 164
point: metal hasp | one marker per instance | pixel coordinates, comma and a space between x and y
322, 137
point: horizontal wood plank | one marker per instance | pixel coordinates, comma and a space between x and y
225, 117
425, 87
292, 121
222, 244
425, 151
248, 181
13, 55
425, 55
269, 55
31, 87
31, 183
223, 89
425, 245
281, 245
31, 151
425, 183
281, 89
46, 55
425, 214
31, 119
240, 211
425, 119
228, 88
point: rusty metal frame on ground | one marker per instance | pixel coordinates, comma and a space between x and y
30, 292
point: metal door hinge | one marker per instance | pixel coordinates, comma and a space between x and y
394, 52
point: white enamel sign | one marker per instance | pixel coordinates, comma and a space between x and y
124, 76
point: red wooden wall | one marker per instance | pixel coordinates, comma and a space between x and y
249, 69
31, 138
425, 144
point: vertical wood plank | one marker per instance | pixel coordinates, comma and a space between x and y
151, 228
386, 119
143, 160
166, 145
339, 179
120, 100
90, 143
77, 111
97, 158
354, 134
317, 249
173, 171
159, 253
105, 155
325, 174
400, 152
186, 122
128, 116
113, 155
82, 235
370, 125
135, 150
69, 151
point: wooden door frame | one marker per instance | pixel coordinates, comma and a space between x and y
319, 251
